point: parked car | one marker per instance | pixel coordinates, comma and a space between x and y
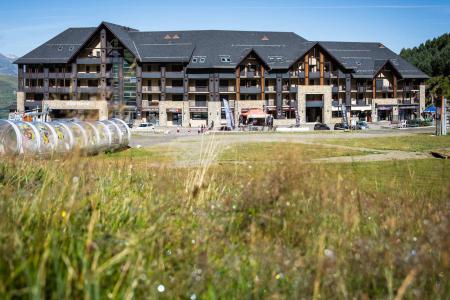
143, 127
362, 125
340, 126
321, 126
413, 123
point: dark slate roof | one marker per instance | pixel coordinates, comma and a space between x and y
204, 49
59, 49
276, 49
366, 59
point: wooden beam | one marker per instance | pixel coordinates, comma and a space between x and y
238, 83
374, 88
395, 85
306, 64
322, 67
263, 83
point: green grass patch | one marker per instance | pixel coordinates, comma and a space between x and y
418, 142
273, 151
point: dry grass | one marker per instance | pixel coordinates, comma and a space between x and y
104, 228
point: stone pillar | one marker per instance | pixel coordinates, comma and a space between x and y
422, 99
327, 103
20, 101
186, 114
301, 105
162, 113
395, 113
374, 111
103, 112
214, 110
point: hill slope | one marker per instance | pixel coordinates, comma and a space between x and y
433, 57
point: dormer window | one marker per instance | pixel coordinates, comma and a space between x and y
60, 48
202, 59
225, 59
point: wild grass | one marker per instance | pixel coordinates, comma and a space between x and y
122, 228
417, 142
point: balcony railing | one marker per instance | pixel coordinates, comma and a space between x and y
198, 89
151, 74
60, 89
269, 89
250, 90
250, 74
60, 75
88, 75
175, 89
175, 75
34, 89
227, 89
89, 61
88, 89
151, 89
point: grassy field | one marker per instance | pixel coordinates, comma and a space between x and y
418, 142
117, 226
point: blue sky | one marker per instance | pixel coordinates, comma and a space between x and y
397, 23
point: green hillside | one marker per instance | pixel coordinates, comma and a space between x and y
8, 84
433, 57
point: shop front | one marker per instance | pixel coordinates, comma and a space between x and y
385, 112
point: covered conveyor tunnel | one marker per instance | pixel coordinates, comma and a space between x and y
42, 138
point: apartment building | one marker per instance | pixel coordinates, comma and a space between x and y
181, 77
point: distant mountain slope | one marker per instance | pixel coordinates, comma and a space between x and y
6, 65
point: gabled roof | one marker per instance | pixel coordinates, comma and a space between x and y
59, 49
366, 59
278, 50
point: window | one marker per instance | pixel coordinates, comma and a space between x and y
60, 48
225, 59
202, 59
71, 48
199, 115
336, 114
195, 59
